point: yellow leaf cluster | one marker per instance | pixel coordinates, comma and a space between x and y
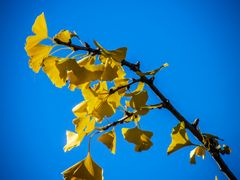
179, 138
141, 139
86, 169
98, 102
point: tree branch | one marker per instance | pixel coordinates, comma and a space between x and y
111, 91
213, 151
120, 121
136, 68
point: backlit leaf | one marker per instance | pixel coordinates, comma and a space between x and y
91, 126
138, 101
57, 69
81, 123
199, 151
137, 90
64, 36
39, 28
117, 55
73, 140
85, 74
86, 169
115, 99
140, 138
80, 109
119, 82
179, 138
109, 139
109, 72
102, 108
37, 55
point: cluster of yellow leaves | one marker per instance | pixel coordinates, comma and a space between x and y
86, 169
100, 101
180, 139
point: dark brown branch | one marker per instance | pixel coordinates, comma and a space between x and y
78, 48
213, 151
120, 121
111, 91
136, 68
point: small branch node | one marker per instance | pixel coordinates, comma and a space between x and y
152, 79
195, 123
137, 65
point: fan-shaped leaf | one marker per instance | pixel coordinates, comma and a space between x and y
179, 138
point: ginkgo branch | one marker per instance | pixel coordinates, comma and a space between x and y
112, 91
120, 121
215, 153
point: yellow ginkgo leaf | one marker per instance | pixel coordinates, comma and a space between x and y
101, 109
80, 109
85, 74
91, 126
40, 30
135, 117
117, 55
109, 139
120, 82
60, 69
87, 92
87, 60
153, 72
199, 151
137, 90
73, 140
81, 124
115, 99
138, 101
57, 69
86, 169
109, 72
140, 138
63, 36
153, 106
179, 138
37, 55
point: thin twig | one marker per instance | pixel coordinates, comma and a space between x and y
112, 91
120, 121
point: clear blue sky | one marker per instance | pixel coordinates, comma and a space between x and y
199, 39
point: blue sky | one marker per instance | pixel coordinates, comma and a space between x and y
200, 41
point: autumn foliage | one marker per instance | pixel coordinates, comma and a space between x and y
106, 89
